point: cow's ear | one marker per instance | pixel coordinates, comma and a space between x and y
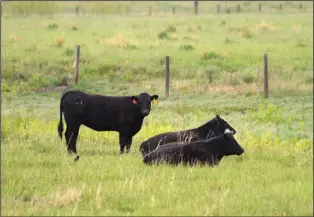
134, 99
154, 97
226, 136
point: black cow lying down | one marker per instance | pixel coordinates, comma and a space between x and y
214, 127
123, 114
204, 152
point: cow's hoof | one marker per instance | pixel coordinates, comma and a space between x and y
77, 158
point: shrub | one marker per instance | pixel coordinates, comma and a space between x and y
187, 47
74, 28
227, 41
211, 55
163, 35
69, 52
248, 78
53, 26
171, 29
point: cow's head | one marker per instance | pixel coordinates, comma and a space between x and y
147, 160
143, 102
232, 147
223, 125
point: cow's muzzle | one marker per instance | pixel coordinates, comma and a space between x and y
241, 151
145, 112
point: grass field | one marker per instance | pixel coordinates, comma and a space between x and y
216, 67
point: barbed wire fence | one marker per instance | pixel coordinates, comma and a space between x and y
238, 8
152, 9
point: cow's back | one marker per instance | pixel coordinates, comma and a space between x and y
168, 153
168, 137
159, 140
101, 112
109, 113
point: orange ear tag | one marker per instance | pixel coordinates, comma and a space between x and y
134, 101
154, 101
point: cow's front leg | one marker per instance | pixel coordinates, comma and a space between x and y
125, 141
128, 144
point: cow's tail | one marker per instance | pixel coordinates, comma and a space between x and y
60, 125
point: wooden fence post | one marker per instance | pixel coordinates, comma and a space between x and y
260, 7
280, 7
196, 7
167, 75
77, 63
77, 10
238, 8
300, 6
218, 9
265, 75
150, 11
173, 10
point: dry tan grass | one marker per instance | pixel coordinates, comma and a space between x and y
263, 26
185, 137
225, 54
193, 28
98, 198
13, 38
154, 44
173, 36
228, 89
59, 40
34, 48
119, 41
195, 37
296, 28
241, 31
68, 196
134, 25
232, 90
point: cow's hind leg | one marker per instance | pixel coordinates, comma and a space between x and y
67, 136
68, 133
71, 138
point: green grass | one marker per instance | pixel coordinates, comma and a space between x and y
216, 67
273, 177
134, 48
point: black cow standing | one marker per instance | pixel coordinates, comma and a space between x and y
208, 152
123, 114
214, 127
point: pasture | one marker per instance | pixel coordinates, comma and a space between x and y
216, 66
